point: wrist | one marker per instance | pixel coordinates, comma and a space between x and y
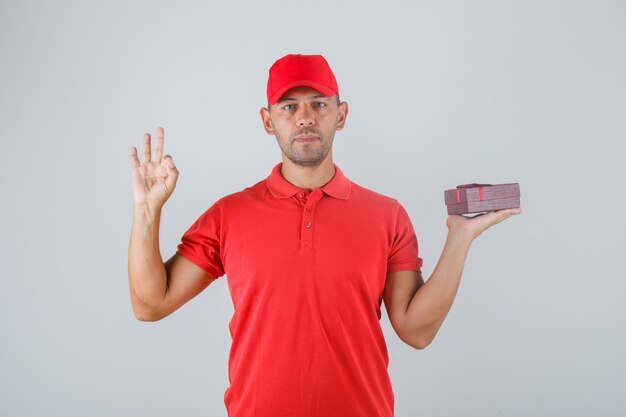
143, 211
460, 234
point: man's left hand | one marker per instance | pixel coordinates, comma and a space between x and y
474, 226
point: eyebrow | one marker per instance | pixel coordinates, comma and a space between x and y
310, 98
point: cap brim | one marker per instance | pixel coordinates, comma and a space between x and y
327, 91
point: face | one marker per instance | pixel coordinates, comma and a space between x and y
304, 122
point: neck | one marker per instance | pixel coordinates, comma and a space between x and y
308, 177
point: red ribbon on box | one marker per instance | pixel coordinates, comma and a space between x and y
472, 185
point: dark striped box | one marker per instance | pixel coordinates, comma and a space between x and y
478, 198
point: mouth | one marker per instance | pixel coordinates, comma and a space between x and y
306, 138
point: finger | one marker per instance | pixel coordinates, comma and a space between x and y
146, 148
508, 212
134, 161
168, 162
502, 215
164, 167
158, 146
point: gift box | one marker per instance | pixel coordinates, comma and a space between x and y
476, 198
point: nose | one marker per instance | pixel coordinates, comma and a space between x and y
305, 117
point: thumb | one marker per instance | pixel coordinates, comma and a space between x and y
172, 173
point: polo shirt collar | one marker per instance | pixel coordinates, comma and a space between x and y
337, 187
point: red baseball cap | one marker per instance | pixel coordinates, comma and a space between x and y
296, 70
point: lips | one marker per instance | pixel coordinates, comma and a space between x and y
306, 138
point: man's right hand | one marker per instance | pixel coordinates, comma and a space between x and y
155, 180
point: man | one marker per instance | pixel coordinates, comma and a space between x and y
309, 257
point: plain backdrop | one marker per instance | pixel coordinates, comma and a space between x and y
440, 94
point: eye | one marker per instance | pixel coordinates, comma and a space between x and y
319, 104
288, 107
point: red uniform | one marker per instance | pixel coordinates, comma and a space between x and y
306, 272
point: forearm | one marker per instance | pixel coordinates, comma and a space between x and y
146, 271
431, 303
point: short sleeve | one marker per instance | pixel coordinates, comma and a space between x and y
403, 254
201, 242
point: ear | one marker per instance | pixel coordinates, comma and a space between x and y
341, 117
267, 122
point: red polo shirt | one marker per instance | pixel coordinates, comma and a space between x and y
306, 272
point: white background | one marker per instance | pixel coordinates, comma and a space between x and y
440, 94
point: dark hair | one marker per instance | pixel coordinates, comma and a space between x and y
269, 106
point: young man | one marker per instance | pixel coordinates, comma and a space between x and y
309, 257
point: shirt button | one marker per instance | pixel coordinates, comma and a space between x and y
302, 195
309, 208
308, 225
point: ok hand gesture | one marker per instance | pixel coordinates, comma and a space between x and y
155, 180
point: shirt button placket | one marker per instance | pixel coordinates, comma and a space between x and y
307, 219
307, 228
